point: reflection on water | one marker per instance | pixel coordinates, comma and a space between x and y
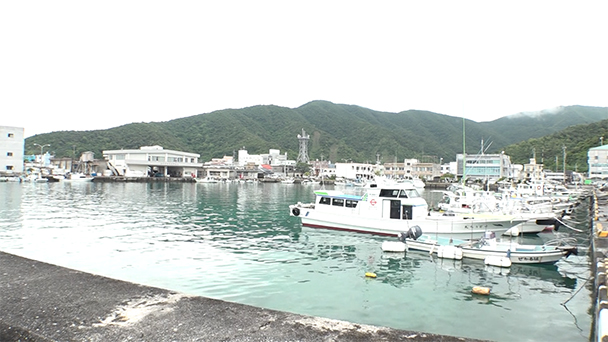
237, 242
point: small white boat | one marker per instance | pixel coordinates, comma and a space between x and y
487, 248
77, 177
207, 179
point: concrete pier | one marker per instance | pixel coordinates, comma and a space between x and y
103, 179
599, 263
40, 302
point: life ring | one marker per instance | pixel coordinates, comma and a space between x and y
295, 212
538, 187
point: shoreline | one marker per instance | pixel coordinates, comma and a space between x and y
43, 302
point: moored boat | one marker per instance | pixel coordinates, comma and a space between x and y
207, 179
77, 177
486, 248
389, 210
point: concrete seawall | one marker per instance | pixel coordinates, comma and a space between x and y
599, 264
40, 302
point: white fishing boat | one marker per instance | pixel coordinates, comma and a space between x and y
77, 177
207, 179
390, 210
488, 248
467, 201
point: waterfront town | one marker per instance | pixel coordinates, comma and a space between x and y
274, 166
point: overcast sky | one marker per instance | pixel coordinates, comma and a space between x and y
86, 65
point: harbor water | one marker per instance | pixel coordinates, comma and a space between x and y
237, 242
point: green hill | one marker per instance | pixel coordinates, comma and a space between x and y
337, 132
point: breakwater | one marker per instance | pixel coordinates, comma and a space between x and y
103, 179
599, 263
42, 303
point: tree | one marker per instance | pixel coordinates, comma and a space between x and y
302, 168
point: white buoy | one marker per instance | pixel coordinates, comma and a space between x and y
513, 231
394, 246
497, 261
449, 252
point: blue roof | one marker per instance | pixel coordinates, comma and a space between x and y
333, 194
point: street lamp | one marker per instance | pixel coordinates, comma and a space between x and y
41, 148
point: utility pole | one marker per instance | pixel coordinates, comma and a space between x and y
564, 161
41, 148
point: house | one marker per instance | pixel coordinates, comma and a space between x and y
597, 157
12, 145
150, 161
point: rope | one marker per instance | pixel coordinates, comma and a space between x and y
564, 224
577, 291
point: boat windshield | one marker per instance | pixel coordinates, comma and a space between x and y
409, 193
403, 193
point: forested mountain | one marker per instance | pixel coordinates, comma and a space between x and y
549, 150
337, 132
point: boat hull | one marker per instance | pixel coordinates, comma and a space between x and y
442, 226
548, 256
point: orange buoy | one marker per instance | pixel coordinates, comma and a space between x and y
481, 290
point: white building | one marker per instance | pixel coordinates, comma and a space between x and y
533, 171
12, 144
358, 170
485, 166
244, 158
152, 160
597, 158
275, 158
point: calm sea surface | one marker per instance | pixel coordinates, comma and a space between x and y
237, 242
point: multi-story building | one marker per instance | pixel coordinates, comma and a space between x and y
152, 160
322, 168
484, 166
412, 168
532, 171
244, 158
12, 144
597, 158
358, 170
395, 170
427, 171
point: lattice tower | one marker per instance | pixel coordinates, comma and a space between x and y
303, 154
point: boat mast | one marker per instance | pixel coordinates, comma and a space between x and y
464, 155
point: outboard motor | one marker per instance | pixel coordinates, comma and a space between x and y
413, 233
569, 250
557, 224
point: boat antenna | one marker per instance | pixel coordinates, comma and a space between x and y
464, 155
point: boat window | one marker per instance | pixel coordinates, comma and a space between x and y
407, 212
412, 193
389, 193
351, 204
338, 202
402, 194
325, 200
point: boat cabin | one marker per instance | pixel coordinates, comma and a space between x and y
399, 202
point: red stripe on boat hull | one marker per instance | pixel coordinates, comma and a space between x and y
346, 229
